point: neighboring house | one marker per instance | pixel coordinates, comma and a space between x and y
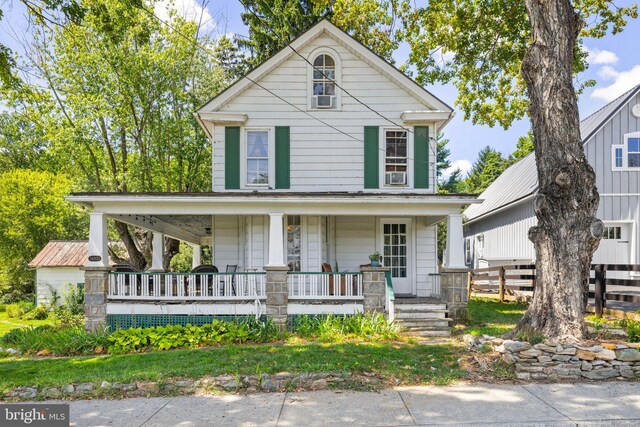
306, 179
57, 265
496, 230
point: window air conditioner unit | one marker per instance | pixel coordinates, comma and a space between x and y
323, 101
396, 178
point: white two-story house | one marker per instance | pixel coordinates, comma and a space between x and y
322, 155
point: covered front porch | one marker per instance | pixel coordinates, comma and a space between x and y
314, 248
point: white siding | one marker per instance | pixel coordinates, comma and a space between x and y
227, 241
322, 159
505, 234
256, 241
48, 278
426, 257
311, 230
355, 241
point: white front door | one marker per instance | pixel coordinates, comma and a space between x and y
396, 253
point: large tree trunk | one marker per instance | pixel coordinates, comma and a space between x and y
567, 233
136, 257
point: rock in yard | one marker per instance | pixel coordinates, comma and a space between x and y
106, 385
628, 355
586, 366
469, 339
12, 351
147, 387
68, 389
52, 393
585, 354
600, 374
606, 354
516, 346
530, 353
84, 388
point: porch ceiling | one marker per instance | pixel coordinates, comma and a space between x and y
165, 206
194, 229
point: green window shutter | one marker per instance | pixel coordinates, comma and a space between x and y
232, 157
371, 157
421, 157
283, 157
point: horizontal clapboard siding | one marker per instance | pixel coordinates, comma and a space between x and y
322, 159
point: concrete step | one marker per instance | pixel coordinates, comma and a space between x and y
420, 307
424, 323
413, 314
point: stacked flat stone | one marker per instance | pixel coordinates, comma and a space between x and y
570, 361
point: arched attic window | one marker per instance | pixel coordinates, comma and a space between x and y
324, 82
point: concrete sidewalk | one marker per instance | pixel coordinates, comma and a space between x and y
586, 404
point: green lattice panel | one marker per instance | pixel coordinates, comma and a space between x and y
126, 321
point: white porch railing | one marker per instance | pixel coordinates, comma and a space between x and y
186, 286
315, 285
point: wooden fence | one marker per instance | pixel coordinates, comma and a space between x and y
503, 278
600, 280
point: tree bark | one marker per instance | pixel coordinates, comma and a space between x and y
171, 248
568, 232
136, 257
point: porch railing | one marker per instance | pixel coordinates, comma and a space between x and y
186, 286
390, 297
314, 285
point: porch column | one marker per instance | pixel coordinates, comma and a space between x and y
276, 240
277, 288
96, 274
98, 255
158, 252
454, 251
374, 289
197, 260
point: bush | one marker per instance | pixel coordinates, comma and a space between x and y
39, 313
189, 336
61, 318
14, 311
330, 328
633, 329
62, 342
73, 298
15, 296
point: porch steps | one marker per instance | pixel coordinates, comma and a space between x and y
423, 317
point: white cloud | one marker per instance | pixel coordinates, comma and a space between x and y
600, 57
464, 165
622, 81
188, 9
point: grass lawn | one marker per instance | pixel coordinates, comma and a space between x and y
491, 317
7, 324
408, 363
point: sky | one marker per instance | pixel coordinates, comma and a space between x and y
614, 63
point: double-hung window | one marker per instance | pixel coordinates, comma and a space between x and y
395, 160
257, 158
627, 155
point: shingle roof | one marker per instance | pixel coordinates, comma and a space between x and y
521, 179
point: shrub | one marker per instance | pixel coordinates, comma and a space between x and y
15, 296
633, 329
14, 311
63, 342
531, 337
61, 318
39, 313
189, 336
73, 298
374, 327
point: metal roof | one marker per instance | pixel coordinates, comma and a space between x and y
63, 253
521, 179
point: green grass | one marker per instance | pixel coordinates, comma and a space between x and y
7, 324
491, 317
407, 363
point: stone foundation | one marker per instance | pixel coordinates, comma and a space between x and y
374, 288
453, 290
277, 287
552, 361
96, 285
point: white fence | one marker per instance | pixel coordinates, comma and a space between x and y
186, 286
325, 285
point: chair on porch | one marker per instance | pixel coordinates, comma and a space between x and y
231, 269
326, 268
198, 282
